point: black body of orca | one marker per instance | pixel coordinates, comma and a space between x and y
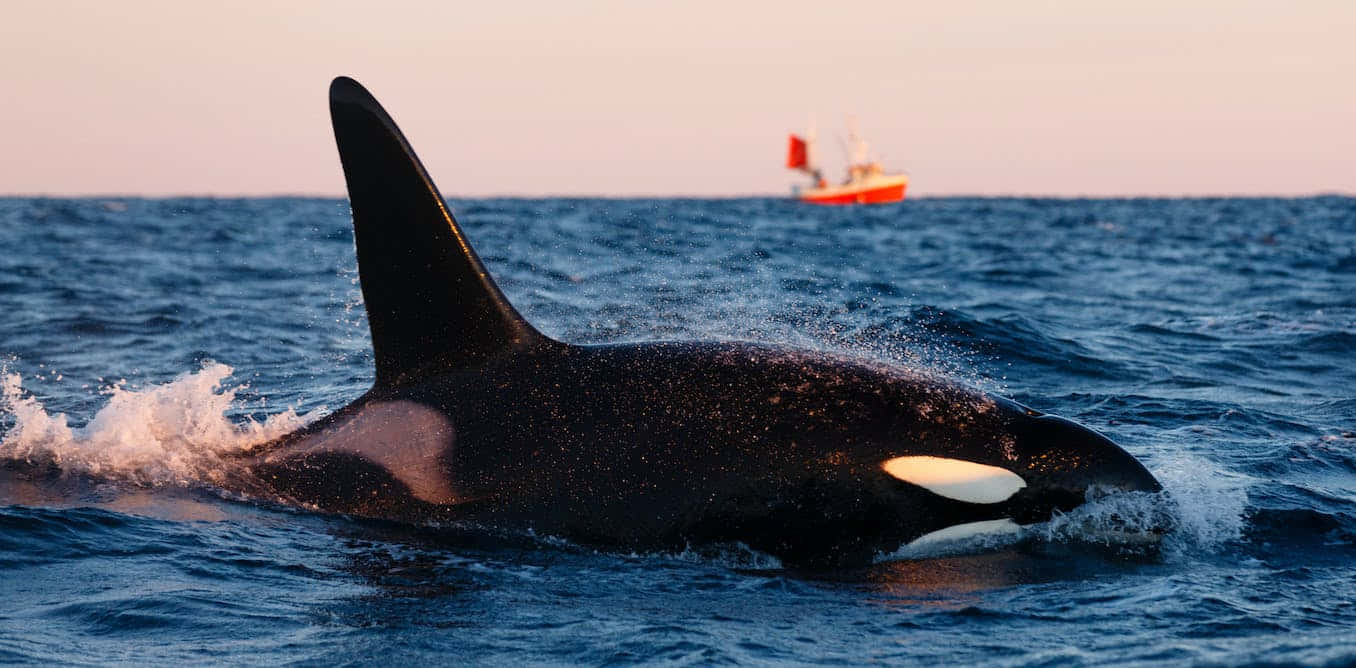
476, 417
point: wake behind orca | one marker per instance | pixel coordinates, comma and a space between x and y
476, 417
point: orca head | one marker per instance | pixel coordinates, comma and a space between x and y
897, 457
1013, 466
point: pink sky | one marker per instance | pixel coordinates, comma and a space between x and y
685, 98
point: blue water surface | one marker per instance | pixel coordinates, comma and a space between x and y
142, 339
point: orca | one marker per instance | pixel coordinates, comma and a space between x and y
476, 418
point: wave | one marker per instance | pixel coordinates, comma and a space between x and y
175, 433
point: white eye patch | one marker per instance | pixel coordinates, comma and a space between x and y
956, 479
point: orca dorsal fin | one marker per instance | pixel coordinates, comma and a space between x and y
430, 302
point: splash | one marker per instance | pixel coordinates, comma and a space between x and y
1128, 520
1209, 505
1200, 510
735, 555
175, 433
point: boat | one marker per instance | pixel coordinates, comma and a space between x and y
866, 182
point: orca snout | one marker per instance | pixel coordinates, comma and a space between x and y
1065, 462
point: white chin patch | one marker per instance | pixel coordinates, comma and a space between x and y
966, 531
956, 479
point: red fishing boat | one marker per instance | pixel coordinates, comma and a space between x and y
866, 182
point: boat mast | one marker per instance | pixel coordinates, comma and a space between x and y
811, 157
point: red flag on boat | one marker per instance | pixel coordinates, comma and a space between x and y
795, 153
867, 182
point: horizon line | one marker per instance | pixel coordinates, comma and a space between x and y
687, 196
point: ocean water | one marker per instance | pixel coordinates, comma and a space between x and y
142, 341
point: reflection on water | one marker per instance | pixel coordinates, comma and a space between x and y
961, 580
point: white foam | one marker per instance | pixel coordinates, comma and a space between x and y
1116, 518
1208, 502
1200, 510
173, 433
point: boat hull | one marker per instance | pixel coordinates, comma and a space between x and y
882, 191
